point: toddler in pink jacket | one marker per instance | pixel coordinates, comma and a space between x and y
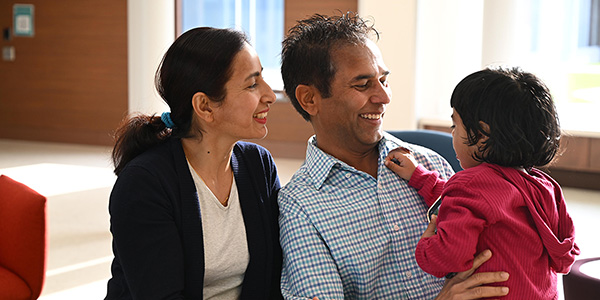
504, 125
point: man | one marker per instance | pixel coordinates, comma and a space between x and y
349, 226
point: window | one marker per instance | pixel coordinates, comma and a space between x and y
565, 52
557, 40
261, 20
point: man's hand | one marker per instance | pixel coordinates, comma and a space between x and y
430, 231
466, 286
401, 162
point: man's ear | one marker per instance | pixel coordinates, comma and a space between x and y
308, 97
201, 105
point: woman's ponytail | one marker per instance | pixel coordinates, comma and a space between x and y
136, 135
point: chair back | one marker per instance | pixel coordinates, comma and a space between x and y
438, 141
579, 285
23, 239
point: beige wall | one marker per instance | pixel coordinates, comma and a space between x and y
396, 21
151, 28
92, 62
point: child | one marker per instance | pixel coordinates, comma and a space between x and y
504, 124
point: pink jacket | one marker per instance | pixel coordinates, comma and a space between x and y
521, 217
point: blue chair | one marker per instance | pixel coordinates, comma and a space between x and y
440, 142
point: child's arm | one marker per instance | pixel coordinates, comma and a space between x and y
463, 215
428, 183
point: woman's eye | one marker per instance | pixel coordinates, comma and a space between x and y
254, 85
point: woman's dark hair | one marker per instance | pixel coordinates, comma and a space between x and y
198, 61
524, 129
306, 54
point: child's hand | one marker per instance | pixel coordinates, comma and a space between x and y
401, 161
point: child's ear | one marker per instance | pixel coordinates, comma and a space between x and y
308, 97
486, 128
201, 106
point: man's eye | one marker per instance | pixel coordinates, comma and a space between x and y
361, 86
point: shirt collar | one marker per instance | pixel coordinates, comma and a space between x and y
320, 164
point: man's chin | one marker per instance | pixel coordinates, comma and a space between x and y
374, 138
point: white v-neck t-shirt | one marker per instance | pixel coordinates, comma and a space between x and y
226, 253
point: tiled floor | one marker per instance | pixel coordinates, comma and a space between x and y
77, 180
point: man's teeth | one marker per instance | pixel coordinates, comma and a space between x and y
260, 116
371, 116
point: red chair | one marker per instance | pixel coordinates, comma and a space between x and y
23, 238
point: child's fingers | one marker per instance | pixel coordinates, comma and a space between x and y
401, 162
396, 168
401, 150
398, 157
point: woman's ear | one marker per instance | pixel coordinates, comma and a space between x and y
308, 97
201, 105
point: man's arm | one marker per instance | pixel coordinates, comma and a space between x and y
308, 267
466, 285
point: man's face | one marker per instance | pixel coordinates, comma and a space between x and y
352, 116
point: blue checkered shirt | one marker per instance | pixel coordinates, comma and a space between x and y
347, 235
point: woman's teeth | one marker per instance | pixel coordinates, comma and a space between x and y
260, 115
371, 116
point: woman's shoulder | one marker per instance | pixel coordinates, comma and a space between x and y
155, 159
253, 158
252, 149
249, 146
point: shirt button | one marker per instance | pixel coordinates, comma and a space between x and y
396, 227
348, 175
408, 274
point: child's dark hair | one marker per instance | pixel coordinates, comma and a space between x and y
524, 129
198, 61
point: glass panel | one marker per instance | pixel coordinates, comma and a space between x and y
261, 20
567, 56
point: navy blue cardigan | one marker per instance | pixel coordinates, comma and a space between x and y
157, 228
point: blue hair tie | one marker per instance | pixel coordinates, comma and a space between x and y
166, 118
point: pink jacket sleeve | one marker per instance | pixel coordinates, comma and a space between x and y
428, 183
461, 219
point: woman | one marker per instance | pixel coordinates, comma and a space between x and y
194, 210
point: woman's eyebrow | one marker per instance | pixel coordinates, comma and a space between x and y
255, 74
